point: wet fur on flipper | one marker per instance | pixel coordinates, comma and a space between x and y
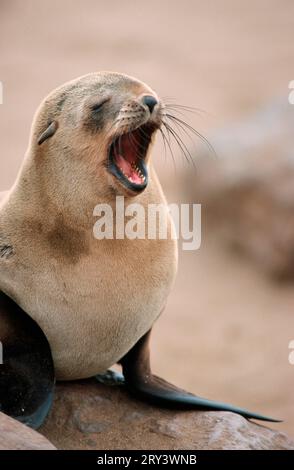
27, 373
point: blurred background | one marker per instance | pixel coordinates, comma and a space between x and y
226, 331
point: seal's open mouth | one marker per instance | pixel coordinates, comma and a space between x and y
127, 157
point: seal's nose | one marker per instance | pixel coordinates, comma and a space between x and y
150, 102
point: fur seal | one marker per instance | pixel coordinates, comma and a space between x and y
72, 306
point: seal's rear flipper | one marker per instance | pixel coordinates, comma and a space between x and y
26, 366
141, 382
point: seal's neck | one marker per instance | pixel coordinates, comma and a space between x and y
44, 194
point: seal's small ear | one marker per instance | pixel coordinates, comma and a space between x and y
49, 132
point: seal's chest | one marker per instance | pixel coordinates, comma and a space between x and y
97, 309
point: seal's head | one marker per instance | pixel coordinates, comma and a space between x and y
98, 130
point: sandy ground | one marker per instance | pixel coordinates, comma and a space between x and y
226, 332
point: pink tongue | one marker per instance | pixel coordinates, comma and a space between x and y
127, 169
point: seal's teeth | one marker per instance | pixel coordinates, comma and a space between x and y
130, 177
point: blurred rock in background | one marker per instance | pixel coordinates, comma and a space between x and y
248, 191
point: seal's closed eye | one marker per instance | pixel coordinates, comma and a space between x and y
98, 106
49, 132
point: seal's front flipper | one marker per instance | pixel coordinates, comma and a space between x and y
141, 382
26, 366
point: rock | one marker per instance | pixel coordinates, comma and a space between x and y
248, 193
17, 436
89, 415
